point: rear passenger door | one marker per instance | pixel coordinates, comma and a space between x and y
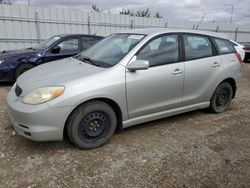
202, 68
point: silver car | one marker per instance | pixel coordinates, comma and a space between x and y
126, 79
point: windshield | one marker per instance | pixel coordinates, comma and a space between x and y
46, 43
112, 49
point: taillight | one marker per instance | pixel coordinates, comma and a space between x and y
238, 57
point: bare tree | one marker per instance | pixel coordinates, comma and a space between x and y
158, 15
6, 2
95, 8
143, 13
127, 12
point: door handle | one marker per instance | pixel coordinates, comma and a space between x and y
177, 71
215, 64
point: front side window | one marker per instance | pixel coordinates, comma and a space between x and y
160, 51
112, 49
69, 44
46, 43
224, 46
197, 47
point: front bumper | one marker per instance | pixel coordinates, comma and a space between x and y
6, 75
37, 122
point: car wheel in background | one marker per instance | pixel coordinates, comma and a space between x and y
91, 125
21, 69
222, 98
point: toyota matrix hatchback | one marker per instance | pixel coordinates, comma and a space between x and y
126, 79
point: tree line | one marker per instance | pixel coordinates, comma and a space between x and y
138, 13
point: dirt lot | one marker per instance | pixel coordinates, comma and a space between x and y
196, 149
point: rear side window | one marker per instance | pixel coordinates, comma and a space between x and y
197, 47
89, 41
232, 43
224, 46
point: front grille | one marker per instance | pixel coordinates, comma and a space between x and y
18, 91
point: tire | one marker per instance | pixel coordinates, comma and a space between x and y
21, 69
91, 125
221, 98
246, 58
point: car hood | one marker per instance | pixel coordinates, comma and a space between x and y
56, 73
20, 52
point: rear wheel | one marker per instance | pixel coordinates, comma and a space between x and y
222, 98
91, 125
22, 69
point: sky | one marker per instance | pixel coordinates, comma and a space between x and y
214, 10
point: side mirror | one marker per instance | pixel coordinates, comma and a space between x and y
138, 65
55, 50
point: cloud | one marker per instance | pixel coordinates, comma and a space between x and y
171, 9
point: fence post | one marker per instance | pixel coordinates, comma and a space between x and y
132, 23
166, 24
38, 27
217, 28
89, 29
236, 34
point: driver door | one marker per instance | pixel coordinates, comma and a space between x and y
158, 88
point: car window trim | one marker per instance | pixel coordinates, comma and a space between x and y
158, 36
214, 51
217, 47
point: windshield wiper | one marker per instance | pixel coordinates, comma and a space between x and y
90, 61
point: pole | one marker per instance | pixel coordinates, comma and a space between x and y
38, 27
202, 18
131, 23
236, 34
89, 29
232, 11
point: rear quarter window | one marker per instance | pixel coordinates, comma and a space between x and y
224, 46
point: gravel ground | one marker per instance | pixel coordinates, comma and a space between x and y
196, 149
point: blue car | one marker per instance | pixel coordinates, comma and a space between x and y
15, 62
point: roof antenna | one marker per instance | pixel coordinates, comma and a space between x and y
202, 18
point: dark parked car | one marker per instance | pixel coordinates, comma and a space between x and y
247, 52
15, 62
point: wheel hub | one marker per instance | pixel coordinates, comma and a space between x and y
222, 98
94, 124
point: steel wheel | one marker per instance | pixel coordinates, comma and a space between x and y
221, 98
91, 125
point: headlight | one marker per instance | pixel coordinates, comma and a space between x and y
1, 61
42, 95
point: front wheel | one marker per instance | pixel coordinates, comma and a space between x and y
91, 125
222, 98
22, 69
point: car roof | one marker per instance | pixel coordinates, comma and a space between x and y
157, 31
73, 35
